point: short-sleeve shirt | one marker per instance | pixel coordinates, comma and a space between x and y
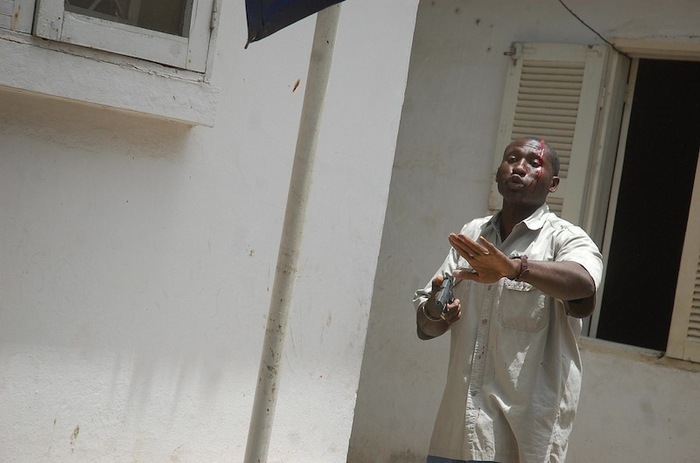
514, 373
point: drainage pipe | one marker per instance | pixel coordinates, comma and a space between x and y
292, 233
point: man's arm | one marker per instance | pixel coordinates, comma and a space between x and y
568, 281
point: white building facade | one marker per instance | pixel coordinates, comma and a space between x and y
143, 183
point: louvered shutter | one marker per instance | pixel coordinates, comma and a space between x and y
684, 336
555, 91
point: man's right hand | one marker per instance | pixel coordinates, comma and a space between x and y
429, 326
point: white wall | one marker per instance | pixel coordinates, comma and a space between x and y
635, 407
138, 255
442, 173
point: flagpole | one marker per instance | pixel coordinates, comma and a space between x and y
292, 232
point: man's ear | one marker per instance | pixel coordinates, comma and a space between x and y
554, 184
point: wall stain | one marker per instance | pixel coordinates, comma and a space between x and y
73, 438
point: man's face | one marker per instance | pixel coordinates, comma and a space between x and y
525, 175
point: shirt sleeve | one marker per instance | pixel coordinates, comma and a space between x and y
574, 245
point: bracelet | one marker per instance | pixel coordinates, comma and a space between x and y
428, 316
523, 268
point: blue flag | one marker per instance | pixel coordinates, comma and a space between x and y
266, 17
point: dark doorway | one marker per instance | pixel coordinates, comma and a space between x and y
652, 209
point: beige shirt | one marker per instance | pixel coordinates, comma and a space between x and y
515, 371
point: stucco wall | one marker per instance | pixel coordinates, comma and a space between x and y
631, 410
635, 406
138, 255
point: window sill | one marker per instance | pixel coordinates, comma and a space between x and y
105, 80
638, 354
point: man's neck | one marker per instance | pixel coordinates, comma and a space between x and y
513, 214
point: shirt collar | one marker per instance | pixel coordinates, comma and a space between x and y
537, 219
534, 222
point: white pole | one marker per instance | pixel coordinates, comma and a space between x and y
292, 232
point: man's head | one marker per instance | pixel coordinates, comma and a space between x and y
528, 172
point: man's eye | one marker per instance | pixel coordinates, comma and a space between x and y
536, 163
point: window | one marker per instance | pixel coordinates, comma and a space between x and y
170, 32
655, 182
626, 130
149, 57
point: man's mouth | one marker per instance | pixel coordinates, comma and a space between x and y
515, 181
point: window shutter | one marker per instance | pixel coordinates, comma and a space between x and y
684, 336
555, 91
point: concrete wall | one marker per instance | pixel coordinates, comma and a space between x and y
633, 409
138, 255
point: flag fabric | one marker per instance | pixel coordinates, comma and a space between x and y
266, 17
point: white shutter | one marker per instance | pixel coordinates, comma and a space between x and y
17, 15
554, 91
684, 336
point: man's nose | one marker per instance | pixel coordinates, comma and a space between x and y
520, 167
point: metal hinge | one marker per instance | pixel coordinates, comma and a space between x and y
515, 52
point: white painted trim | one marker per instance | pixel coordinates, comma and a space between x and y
614, 193
53, 22
660, 49
146, 89
124, 39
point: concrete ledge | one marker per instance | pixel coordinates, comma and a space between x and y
639, 354
100, 79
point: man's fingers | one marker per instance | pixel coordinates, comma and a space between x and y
461, 246
469, 248
456, 242
437, 283
453, 313
488, 246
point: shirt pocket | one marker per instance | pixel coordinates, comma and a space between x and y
522, 307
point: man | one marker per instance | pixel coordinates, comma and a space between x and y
523, 279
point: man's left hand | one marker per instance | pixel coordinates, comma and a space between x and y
488, 263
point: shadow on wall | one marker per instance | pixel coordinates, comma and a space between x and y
109, 280
76, 126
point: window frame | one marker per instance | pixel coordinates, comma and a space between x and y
681, 344
54, 22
